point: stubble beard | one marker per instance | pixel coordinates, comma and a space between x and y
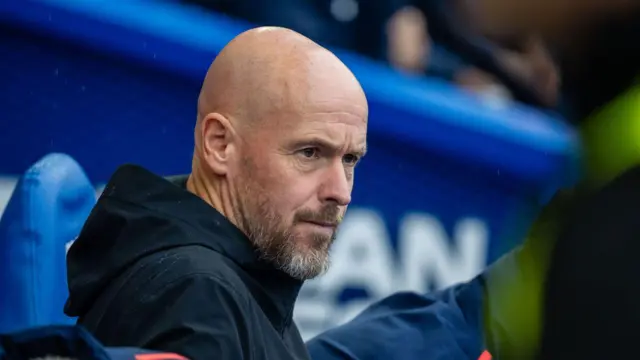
274, 241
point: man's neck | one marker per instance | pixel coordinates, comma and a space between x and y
215, 194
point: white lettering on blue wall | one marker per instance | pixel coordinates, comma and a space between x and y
363, 258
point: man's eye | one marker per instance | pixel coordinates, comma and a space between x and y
309, 153
350, 159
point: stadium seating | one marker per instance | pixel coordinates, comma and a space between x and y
45, 213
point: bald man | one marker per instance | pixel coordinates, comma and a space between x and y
209, 266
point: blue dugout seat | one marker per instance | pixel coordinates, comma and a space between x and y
45, 213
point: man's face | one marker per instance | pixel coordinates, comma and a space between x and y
294, 180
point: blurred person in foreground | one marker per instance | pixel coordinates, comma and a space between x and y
210, 265
592, 293
571, 290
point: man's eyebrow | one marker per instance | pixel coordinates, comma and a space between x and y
326, 143
319, 142
363, 151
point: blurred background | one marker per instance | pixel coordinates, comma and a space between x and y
471, 127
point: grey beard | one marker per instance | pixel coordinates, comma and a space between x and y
279, 249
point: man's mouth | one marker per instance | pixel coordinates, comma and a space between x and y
327, 224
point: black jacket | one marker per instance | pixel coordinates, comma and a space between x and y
158, 268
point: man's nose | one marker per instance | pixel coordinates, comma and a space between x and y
337, 185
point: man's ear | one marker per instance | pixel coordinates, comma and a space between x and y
216, 134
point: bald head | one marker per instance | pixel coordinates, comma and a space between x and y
282, 124
267, 68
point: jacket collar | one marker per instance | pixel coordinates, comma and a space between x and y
278, 291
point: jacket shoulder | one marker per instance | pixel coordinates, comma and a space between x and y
195, 315
439, 325
187, 262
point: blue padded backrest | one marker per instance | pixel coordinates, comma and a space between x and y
45, 213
